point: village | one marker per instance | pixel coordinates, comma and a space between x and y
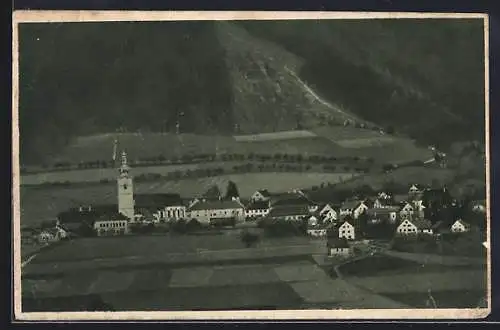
422, 213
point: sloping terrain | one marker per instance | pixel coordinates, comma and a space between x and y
423, 79
268, 94
80, 79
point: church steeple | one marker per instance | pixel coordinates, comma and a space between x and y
125, 189
124, 168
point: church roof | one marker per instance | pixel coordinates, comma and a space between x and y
157, 200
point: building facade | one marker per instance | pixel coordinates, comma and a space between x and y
125, 189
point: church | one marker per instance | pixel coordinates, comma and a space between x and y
144, 208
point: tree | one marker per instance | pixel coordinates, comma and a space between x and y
249, 238
213, 193
232, 190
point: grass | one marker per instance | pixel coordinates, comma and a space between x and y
443, 298
260, 296
88, 249
381, 265
449, 280
43, 203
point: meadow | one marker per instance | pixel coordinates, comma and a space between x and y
337, 141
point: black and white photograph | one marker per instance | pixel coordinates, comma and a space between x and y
250, 165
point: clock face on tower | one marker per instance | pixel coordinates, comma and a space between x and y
125, 186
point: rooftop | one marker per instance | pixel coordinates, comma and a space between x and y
258, 206
215, 205
157, 200
288, 210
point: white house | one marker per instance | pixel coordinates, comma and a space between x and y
51, 235
159, 207
110, 225
317, 231
460, 226
205, 211
257, 209
383, 195
479, 206
414, 189
406, 211
347, 231
414, 227
328, 211
338, 248
353, 208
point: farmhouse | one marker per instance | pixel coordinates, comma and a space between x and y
414, 227
111, 225
205, 211
257, 209
460, 226
338, 247
289, 212
353, 208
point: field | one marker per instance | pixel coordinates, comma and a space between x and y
329, 141
259, 277
44, 203
452, 286
368, 143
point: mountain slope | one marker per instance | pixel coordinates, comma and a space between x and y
267, 93
424, 78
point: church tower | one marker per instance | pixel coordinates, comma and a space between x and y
125, 189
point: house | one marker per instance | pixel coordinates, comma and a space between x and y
318, 230
347, 230
381, 215
161, 206
353, 208
383, 195
414, 227
112, 225
49, 235
338, 247
257, 209
289, 212
290, 199
414, 189
312, 221
205, 211
261, 195
479, 206
460, 226
80, 220
406, 210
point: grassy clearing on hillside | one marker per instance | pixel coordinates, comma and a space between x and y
284, 135
42, 203
368, 143
335, 141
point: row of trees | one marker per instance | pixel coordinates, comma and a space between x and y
203, 158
